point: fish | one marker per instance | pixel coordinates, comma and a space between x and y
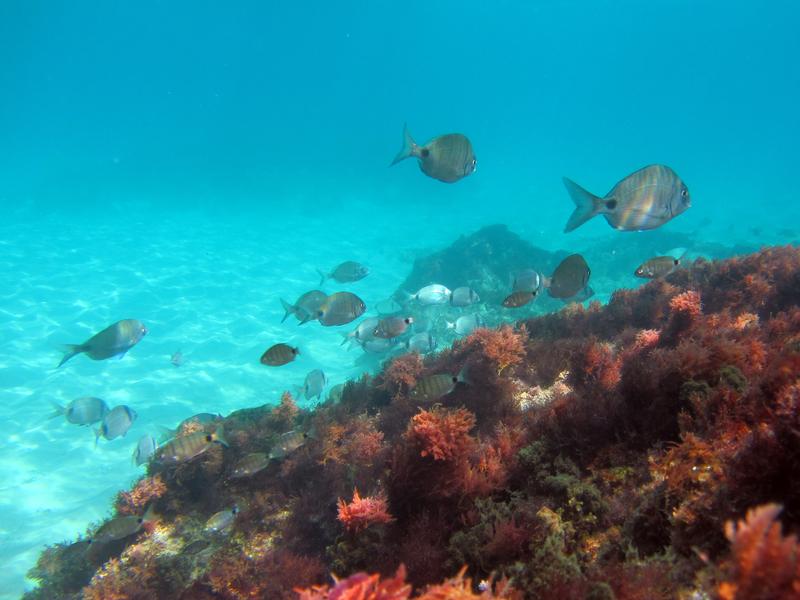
250, 464
116, 423
145, 448
288, 443
432, 294
339, 309
464, 296
200, 418
122, 527
391, 327
448, 157
388, 306
187, 447
346, 272
305, 307
421, 342
82, 411
221, 521
660, 266
335, 393
279, 354
433, 387
466, 324
362, 332
581, 296
195, 547
177, 359
378, 345
518, 299
643, 200
314, 384
527, 280
113, 342
570, 277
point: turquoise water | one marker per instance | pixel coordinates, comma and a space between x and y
187, 164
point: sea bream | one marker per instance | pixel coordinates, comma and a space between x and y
447, 158
82, 411
432, 294
116, 423
345, 272
339, 309
305, 307
113, 342
187, 447
278, 355
643, 200
570, 277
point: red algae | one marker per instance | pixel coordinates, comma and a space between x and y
361, 513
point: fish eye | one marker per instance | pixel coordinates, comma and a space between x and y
684, 193
209, 438
425, 153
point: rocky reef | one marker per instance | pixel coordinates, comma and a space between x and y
647, 448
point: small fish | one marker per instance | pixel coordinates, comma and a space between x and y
432, 294
581, 296
466, 324
250, 464
305, 307
187, 447
340, 308
362, 332
200, 418
378, 345
346, 272
421, 342
656, 267
195, 547
570, 277
122, 527
391, 327
527, 280
144, 449
288, 443
177, 359
389, 306
113, 342
222, 520
116, 423
278, 355
643, 200
447, 158
82, 411
518, 299
464, 296
335, 393
314, 384
433, 387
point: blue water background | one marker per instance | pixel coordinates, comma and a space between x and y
187, 163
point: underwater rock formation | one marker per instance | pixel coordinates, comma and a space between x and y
640, 449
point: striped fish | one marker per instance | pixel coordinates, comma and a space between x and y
187, 447
447, 157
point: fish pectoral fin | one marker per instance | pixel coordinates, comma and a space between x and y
120, 355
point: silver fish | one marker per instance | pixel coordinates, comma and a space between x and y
314, 384
659, 266
447, 157
346, 272
82, 411
378, 345
643, 200
116, 423
421, 342
432, 294
527, 280
113, 342
362, 332
122, 527
288, 443
305, 307
250, 464
222, 520
464, 296
466, 324
144, 449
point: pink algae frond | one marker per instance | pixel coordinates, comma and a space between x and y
360, 513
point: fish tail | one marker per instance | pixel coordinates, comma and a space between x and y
322, 277
288, 308
450, 325
58, 410
71, 350
97, 433
587, 205
346, 337
409, 146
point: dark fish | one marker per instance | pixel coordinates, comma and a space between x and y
279, 354
222, 520
447, 157
527, 280
645, 199
177, 359
345, 273
570, 277
659, 266
250, 464
186, 447
122, 527
114, 341
421, 342
305, 307
464, 296
433, 387
517, 299
144, 449
314, 384
340, 308
466, 324
116, 423
391, 327
581, 296
82, 411
288, 443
